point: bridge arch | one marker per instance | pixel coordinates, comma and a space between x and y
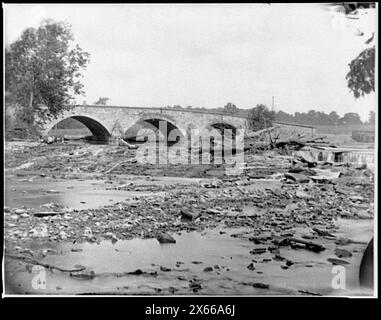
221, 125
163, 126
98, 130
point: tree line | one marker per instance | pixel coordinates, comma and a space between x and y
263, 114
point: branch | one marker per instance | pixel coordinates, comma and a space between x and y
46, 265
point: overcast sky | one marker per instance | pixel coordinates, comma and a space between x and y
208, 55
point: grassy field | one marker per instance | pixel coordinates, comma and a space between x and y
342, 130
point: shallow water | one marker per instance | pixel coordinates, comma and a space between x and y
79, 194
73, 194
186, 260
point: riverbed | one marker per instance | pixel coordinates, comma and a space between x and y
212, 255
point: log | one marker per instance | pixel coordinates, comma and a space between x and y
45, 214
123, 143
260, 132
46, 265
310, 245
120, 163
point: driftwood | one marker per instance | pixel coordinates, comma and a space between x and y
262, 139
290, 143
260, 132
316, 143
123, 143
309, 245
46, 265
45, 214
119, 164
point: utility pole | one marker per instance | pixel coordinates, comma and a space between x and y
272, 104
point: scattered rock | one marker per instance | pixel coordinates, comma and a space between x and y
63, 235
342, 253
251, 266
258, 251
260, 285
88, 232
323, 233
306, 158
337, 261
165, 238
86, 274
195, 285
40, 231
188, 214
20, 211
297, 177
165, 269
208, 269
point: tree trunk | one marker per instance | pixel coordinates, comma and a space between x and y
31, 100
30, 113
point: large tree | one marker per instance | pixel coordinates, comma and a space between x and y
361, 69
361, 75
351, 118
333, 118
372, 118
43, 71
260, 117
230, 108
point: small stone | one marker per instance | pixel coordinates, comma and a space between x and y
63, 235
251, 266
20, 211
52, 191
165, 269
88, 232
260, 285
40, 231
188, 214
289, 263
278, 257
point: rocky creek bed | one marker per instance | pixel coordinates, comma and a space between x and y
278, 228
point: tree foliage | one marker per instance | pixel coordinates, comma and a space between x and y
260, 117
351, 118
361, 75
316, 118
43, 71
230, 108
372, 118
102, 101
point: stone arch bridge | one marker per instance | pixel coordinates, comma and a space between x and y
106, 122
